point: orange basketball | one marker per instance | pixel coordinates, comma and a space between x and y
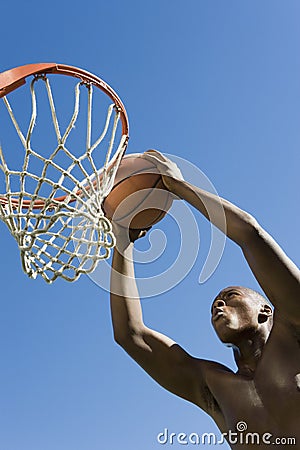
138, 199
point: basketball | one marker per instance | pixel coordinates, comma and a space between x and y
138, 199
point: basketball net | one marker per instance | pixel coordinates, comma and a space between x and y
61, 236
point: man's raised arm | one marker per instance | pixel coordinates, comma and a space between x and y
275, 272
160, 356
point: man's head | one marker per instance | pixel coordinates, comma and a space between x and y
240, 313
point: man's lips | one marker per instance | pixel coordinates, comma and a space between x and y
217, 314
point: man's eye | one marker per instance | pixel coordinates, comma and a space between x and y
232, 294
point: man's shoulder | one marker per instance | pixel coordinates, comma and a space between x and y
213, 373
282, 327
212, 366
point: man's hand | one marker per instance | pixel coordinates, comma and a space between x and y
167, 168
126, 236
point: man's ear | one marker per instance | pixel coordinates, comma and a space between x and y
264, 313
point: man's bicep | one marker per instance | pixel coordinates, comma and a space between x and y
171, 366
276, 273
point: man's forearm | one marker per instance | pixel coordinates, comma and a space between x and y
125, 305
234, 222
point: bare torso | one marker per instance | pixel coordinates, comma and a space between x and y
268, 401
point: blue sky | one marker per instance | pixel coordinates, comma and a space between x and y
214, 82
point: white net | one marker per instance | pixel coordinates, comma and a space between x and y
56, 215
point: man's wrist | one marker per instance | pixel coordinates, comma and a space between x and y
124, 247
172, 184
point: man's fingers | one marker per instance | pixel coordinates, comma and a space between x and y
156, 154
155, 157
165, 166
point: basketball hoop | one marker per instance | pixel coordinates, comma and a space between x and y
53, 200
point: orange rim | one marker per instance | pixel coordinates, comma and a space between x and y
12, 79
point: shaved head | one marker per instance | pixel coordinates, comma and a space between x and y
256, 296
250, 293
238, 309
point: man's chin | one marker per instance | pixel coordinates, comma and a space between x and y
228, 339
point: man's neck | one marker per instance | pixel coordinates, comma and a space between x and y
248, 353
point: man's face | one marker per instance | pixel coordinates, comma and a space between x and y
234, 314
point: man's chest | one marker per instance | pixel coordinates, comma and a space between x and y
270, 401
277, 378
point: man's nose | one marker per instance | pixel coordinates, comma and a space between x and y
219, 303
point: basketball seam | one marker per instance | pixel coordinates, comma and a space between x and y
141, 171
142, 201
157, 219
137, 172
163, 211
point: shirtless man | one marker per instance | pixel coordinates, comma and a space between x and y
265, 390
